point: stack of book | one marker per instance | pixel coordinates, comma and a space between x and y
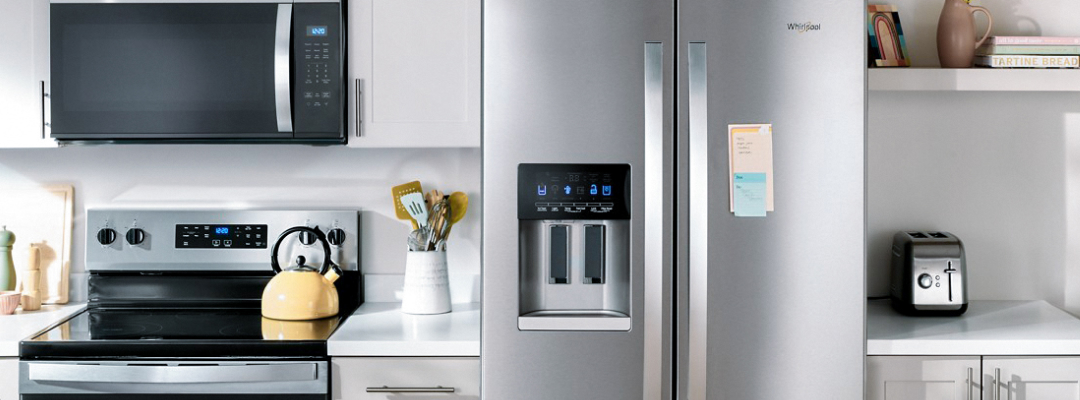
1029, 52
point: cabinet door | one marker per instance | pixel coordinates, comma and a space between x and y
414, 73
1031, 378
9, 378
399, 378
24, 69
922, 378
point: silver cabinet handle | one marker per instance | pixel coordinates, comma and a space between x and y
970, 383
997, 383
73, 373
282, 95
698, 120
387, 389
46, 107
359, 109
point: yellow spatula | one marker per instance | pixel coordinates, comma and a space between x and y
401, 190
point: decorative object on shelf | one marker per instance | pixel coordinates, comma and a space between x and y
887, 46
7, 264
31, 275
956, 41
1027, 61
9, 301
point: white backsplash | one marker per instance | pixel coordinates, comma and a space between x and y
263, 176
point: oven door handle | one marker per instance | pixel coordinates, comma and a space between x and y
171, 374
282, 72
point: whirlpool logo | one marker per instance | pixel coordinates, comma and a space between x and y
804, 27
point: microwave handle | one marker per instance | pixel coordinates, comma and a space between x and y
282, 73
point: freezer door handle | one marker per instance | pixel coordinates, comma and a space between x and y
698, 120
656, 171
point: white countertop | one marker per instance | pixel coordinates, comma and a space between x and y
23, 324
987, 328
381, 329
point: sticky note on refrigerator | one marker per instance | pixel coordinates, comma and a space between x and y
749, 194
750, 151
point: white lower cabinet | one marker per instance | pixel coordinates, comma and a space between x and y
9, 378
922, 378
404, 378
1031, 378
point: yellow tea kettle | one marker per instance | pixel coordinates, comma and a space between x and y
301, 292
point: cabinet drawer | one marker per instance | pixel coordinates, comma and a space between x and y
361, 378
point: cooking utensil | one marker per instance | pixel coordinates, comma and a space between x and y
414, 204
438, 223
433, 197
301, 292
401, 190
459, 203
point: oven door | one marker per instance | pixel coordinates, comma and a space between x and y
145, 71
233, 380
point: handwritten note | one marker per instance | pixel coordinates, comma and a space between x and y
750, 152
749, 194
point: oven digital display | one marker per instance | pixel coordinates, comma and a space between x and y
207, 236
319, 30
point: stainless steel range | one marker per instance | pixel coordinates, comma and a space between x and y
174, 309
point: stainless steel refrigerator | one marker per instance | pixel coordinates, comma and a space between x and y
614, 266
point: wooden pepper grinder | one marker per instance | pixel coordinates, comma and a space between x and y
31, 297
7, 265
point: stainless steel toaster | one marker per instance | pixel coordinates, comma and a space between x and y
928, 274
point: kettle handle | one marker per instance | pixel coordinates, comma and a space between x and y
318, 235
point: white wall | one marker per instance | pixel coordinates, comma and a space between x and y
264, 176
1001, 170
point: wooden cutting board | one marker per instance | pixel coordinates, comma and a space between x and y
42, 215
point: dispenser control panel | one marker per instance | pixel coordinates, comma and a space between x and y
573, 191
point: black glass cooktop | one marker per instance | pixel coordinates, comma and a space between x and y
181, 333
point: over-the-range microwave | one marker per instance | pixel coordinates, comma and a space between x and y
196, 71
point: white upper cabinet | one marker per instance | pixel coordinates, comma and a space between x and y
414, 73
24, 68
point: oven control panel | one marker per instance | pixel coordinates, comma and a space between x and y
149, 240
220, 236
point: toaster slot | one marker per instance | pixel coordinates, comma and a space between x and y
938, 235
917, 235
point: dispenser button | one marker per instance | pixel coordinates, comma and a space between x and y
559, 254
594, 254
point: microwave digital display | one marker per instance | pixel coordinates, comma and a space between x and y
316, 30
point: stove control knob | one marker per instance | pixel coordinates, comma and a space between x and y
307, 238
135, 236
106, 236
336, 237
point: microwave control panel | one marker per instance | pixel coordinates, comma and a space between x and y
573, 191
317, 54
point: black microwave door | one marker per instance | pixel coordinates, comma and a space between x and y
164, 71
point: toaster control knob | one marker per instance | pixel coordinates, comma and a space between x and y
925, 281
135, 236
106, 236
336, 237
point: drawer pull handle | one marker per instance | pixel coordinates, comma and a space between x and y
387, 389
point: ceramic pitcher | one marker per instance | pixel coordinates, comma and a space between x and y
956, 41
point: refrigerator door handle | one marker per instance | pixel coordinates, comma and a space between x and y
655, 173
698, 103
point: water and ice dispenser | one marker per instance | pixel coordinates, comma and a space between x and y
574, 246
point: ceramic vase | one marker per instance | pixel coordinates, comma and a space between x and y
956, 41
427, 285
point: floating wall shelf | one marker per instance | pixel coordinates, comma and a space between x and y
974, 79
